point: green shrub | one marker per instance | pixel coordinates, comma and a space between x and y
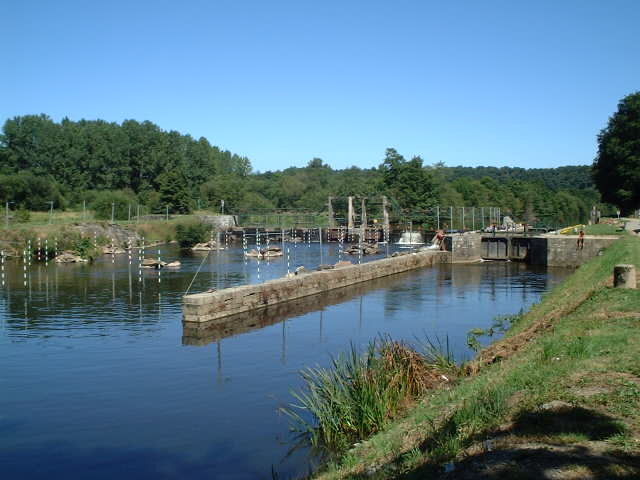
84, 247
22, 216
30, 191
103, 202
359, 394
188, 234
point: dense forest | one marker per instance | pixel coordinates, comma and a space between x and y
98, 163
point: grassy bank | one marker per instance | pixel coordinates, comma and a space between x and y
560, 392
85, 237
605, 229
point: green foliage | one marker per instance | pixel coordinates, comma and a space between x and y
360, 393
22, 216
84, 247
229, 188
188, 234
174, 192
40, 160
29, 191
94, 154
407, 181
103, 202
616, 169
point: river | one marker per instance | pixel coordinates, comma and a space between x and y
98, 379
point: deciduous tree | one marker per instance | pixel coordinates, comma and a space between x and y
616, 169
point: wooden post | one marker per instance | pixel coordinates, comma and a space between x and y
624, 276
363, 219
385, 214
350, 215
330, 214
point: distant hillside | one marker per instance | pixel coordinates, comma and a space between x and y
569, 177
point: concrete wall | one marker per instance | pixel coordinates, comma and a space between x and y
219, 221
561, 251
465, 247
205, 307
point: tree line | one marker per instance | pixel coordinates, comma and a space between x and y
101, 163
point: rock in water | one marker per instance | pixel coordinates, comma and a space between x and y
153, 263
271, 252
205, 247
68, 257
111, 250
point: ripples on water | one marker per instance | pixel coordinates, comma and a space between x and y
98, 379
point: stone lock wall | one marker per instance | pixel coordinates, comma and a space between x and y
203, 333
205, 307
562, 251
466, 247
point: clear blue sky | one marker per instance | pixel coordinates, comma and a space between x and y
519, 83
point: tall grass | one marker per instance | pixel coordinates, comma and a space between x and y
360, 393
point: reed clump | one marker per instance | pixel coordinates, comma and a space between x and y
361, 392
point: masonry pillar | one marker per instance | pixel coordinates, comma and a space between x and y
624, 276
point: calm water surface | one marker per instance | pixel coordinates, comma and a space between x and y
98, 379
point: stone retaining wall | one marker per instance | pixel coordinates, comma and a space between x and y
219, 221
562, 251
204, 307
203, 333
466, 247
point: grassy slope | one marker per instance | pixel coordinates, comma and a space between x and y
579, 345
603, 229
154, 231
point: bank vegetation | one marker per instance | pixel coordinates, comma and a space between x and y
559, 392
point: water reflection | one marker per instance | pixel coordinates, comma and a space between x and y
98, 374
195, 333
